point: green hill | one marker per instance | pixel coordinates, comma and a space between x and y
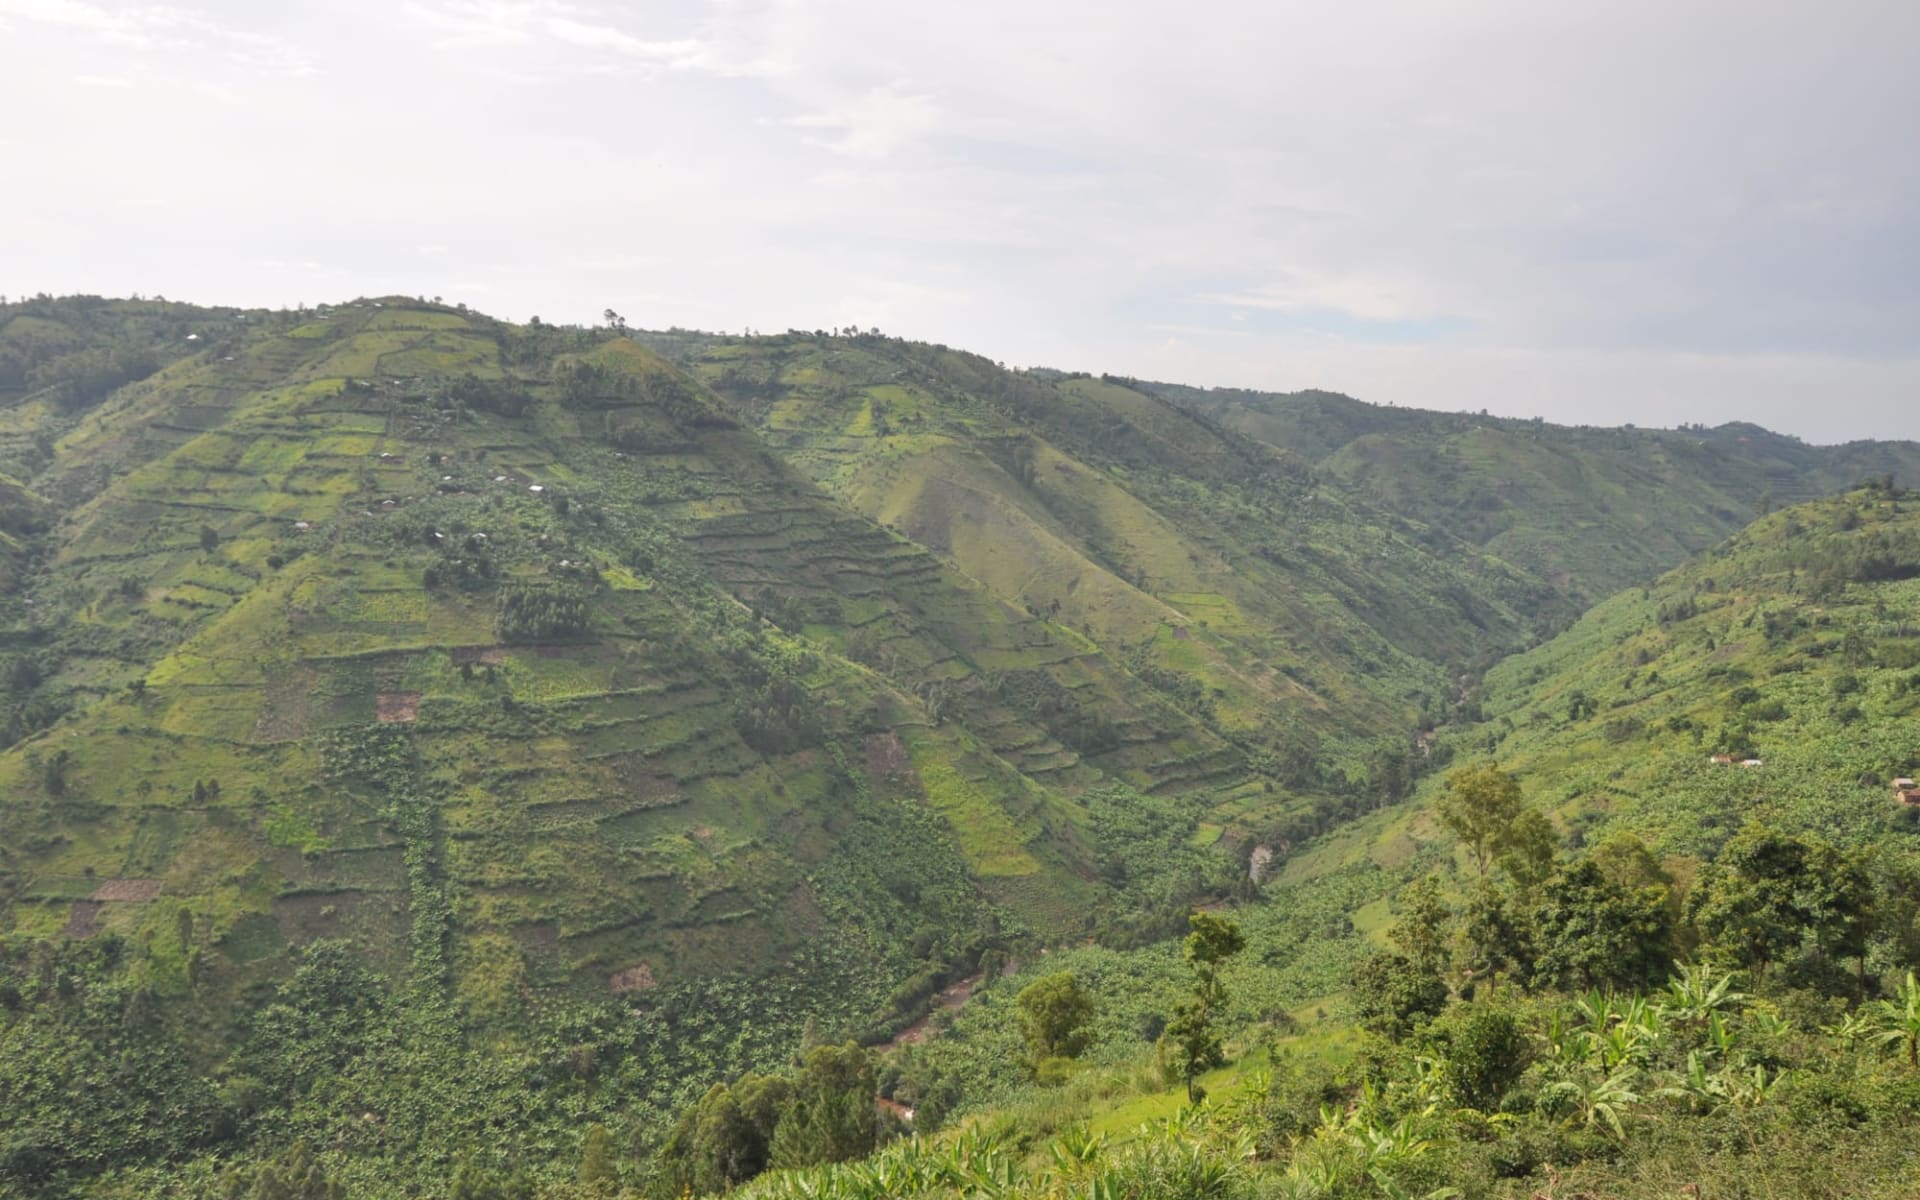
1589, 510
1717, 752
419, 727
1796, 642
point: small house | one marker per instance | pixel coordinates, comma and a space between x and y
1904, 785
1724, 760
1909, 796
1753, 762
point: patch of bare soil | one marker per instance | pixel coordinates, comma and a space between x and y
398, 708
637, 978
84, 921
131, 891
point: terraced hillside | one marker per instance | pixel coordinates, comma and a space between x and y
397, 619
392, 613
1588, 510
1292, 617
580, 715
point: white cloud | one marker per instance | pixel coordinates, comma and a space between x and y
162, 28
1560, 194
875, 124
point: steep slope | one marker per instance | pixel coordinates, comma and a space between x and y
1295, 619
1795, 643
427, 737
369, 629
1590, 510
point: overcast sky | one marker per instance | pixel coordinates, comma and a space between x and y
1604, 212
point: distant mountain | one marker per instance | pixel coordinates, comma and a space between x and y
1590, 509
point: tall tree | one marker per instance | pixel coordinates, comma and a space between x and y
1480, 806
1193, 1033
596, 1160
1496, 932
1773, 894
1425, 926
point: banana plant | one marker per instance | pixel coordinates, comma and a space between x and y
1722, 1039
1896, 1022
1698, 993
1703, 1092
1598, 1100
1566, 1044
1753, 1088
1077, 1150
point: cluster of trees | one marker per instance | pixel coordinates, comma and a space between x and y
1785, 906
1042, 699
823, 1113
1142, 845
503, 397
84, 378
586, 385
530, 613
775, 713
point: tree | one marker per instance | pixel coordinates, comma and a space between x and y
54, 773
1054, 1013
209, 538
1771, 894
725, 1139
1394, 995
1625, 859
1480, 806
1484, 1050
1526, 851
1192, 1034
1425, 925
474, 1183
294, 1175
1592, 932
1496, 932
833, 1117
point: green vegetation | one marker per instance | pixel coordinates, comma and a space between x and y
1587, 510
439, 755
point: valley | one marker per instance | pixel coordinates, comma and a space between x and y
430, 740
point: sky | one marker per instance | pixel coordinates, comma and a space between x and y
1605, 213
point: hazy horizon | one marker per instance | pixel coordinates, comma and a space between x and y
1598, 214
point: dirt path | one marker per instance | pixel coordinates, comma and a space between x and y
954, 996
